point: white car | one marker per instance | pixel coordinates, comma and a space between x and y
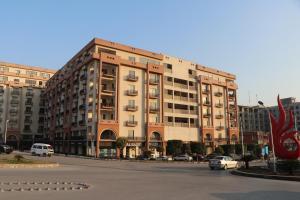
183, 158
166, 158
222, 162
41, 149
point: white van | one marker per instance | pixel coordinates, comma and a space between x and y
41, 149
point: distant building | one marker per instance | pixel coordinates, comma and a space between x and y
255, 119
22, 104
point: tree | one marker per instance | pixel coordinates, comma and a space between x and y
186, 148
219, 150
121, 144
160, 149
228, 149
247, 158
255, 149
174, 147
197, 147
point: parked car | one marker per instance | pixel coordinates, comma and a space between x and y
42, 149
211, 156
198, 157
165, 158
5, 149
222, 162
183, 158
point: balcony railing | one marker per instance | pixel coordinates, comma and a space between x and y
14, 92
132, 92
153, 95
218, 94
28, 111
181, 124
28, 103
153, 81
82, 123
219, 105
220, 128
155, 138
153, 109
82, 107
131, 108
108, 75
133, 78
107, 106
29, 94
206, 115
136, 138
206, 103
205, 91
131, 123
14, 101
28, 121
219, 116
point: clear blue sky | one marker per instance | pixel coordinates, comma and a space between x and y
259, 41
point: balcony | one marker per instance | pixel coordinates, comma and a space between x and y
74, 109
219, 116
27, 121
13, 111
220, 128
232, 107
29, 94
1, 110
181, 124
28, 103
15, 92
206, 115
153, 109
131, 108
74, 124
205, 91
107, 106
82, 123
13, 101
206, 103
153, 95
132, 92
27, 130
136, 138
219, 105
1, 91
131, 123
108, 91
208, 142
82, 107
231, 97
28, 112
218, 94
153, 81
153, 139
83, 77
132, 78
82, 92
108, 75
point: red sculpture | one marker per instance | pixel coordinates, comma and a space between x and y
286, 144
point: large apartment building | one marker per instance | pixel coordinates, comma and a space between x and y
22, 103
109, 90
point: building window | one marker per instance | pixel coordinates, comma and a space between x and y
131, 134
131, 88
131, 118
131, 58
131, 102
4, 69
30, 82
40, 83
17, 80
31, 73
3, 78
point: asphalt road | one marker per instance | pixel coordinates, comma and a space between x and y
113, 180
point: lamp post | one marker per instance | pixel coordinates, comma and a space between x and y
6, 124
272, 138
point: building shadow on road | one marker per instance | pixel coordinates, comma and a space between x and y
258, 195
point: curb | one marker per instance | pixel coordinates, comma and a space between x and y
274, 177
15, 166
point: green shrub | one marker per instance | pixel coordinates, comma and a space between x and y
198, 148
174, 147
18, 157
219, 150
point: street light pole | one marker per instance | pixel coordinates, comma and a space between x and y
6, 124
272, 138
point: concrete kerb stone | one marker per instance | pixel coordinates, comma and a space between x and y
16, 166
274, 177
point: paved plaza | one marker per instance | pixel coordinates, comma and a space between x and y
112, 180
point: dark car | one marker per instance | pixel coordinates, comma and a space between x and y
5, 149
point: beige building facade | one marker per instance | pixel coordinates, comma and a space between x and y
22, 103
109, 90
